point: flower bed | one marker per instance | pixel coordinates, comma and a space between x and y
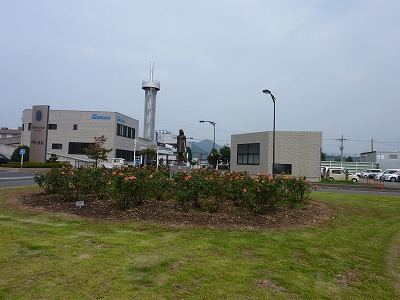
201, 189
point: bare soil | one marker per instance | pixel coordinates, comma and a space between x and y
165, 213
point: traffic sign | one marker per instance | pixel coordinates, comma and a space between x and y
22, 151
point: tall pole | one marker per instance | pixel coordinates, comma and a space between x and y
213, 124
273, 134
341, 147
214, 135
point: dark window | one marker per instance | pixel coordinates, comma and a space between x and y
56, 146
283, 169
77, 148
119, 129
125, 131
248, 154
392, 156
75, 127
23, 127
128, 155
52, 126
29, 126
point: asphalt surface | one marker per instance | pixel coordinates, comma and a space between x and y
363, 187
16, 178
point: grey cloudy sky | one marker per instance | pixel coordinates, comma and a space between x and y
332, 65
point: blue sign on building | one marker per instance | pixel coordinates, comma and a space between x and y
99, 117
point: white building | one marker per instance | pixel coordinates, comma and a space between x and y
383, 159
71, 131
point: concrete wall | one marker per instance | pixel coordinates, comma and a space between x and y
301, 149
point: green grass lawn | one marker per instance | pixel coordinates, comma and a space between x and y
356, 255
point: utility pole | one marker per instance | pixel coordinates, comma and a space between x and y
341, 146
372, 145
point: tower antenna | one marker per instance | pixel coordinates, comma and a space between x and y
150, 87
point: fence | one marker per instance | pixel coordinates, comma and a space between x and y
353, 167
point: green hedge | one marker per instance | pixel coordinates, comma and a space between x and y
33, 165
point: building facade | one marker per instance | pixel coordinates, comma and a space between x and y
383, 159
71, 131
297, 153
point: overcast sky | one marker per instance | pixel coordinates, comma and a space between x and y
333, 66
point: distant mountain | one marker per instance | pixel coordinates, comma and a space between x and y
202, 148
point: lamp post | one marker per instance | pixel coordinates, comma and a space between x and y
213, 124
273, 134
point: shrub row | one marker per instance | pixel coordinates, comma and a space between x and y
204, 189
34, 165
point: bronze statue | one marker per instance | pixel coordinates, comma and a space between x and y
181, 146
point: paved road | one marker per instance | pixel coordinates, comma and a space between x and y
14, 178
389, 188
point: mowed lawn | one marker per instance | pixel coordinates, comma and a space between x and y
354, 255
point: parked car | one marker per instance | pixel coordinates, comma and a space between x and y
3, 159
325, 170
379, 175
390, 175
115, 163
341, 175
369, 173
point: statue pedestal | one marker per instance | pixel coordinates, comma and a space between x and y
178, 168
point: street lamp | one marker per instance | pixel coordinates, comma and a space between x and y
273, 134
213, 124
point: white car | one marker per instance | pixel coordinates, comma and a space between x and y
390, 175
370, 173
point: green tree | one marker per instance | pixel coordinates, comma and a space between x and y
97, 151
225, 152
323, 156
148, 153
349, 159
17, 157
189, 152
53, 158
213, 157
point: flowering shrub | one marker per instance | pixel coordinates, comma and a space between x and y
265, 193
237, 187
75, 183
295, 190
160, 186
204, 189
131, 186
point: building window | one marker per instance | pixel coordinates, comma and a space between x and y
248, 154
284, 169
56, 146
52, 126
125, 131
393, 156
75, 127
23, 127
29, 126
77, 148
126, 154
